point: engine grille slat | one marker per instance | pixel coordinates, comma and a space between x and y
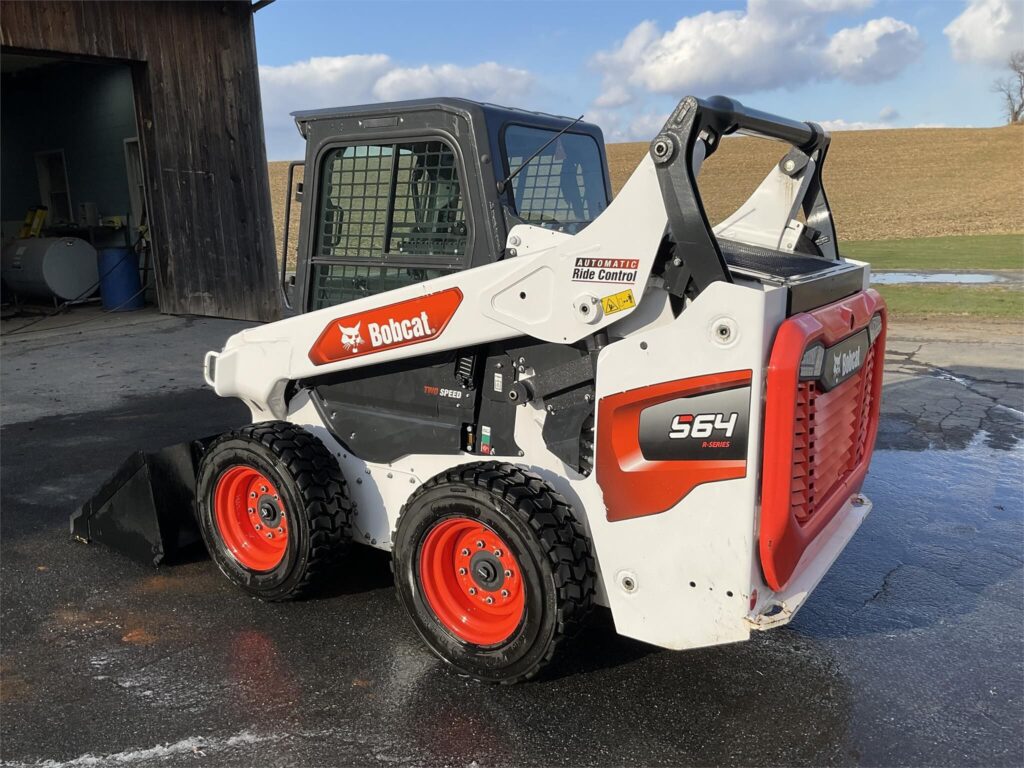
829, 438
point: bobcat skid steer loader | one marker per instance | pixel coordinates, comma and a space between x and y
535, 398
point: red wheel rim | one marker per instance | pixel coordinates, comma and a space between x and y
471, 581
251, 518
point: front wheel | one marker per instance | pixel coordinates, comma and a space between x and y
493, 569
273, 508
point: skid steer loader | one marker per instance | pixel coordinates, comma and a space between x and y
536, 398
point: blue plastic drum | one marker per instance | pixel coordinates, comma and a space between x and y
120, 286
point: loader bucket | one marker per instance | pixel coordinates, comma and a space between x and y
146, 510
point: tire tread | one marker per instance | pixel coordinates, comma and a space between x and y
558, 533
323, 491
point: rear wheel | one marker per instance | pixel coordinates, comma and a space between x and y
273, 508
493, 569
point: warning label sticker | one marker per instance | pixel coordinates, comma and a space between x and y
605, 270
618, 302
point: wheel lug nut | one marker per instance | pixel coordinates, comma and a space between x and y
465, 552
280, 530
259, 527
462, 571
252, 511
498, 553
508, 574
504, 593
472, 590
263, 489
480, 544
252, 495
270, 535
490, 601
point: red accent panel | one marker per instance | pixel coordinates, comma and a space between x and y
817, 444
388, 327
634, 486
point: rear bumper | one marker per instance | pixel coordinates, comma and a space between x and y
773, 609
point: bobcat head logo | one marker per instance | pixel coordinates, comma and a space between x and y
350, 338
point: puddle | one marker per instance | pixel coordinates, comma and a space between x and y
903, 278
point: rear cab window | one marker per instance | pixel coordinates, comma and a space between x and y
564, 186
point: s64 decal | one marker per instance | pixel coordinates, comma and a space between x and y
705, 426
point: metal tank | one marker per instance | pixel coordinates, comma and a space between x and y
43, 267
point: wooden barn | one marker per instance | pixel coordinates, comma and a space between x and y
140, 122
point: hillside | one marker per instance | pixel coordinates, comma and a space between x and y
903, 183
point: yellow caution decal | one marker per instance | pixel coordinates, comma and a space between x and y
617, 302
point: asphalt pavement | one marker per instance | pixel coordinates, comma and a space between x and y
909, 653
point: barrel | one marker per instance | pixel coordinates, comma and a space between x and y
120, 286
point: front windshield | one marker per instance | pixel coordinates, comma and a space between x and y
563, 187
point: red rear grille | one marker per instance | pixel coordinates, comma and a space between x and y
817, 444
829, 438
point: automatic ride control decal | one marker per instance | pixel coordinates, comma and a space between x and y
395, 325
590, 270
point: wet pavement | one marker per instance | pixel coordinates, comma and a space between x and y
974, 278
909, 653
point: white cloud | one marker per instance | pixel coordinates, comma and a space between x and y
331, 81
487, 82
839, 124
987, 31
772, 44
622, 125
888, 114
877, 50
616, 95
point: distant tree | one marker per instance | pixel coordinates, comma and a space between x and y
1011, 88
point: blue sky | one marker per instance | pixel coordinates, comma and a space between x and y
845, 63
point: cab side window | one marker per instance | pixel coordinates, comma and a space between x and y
389, 215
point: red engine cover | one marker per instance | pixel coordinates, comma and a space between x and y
817, 443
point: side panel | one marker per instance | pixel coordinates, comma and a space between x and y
690, 566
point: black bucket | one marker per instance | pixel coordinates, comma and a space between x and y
146, 510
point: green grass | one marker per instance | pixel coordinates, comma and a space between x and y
999, 302
940, 253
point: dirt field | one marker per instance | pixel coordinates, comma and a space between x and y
881, 184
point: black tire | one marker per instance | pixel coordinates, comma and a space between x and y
552, 552
311, 499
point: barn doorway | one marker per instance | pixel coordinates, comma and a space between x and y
74, 199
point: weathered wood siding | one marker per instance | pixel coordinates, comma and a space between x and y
198, 99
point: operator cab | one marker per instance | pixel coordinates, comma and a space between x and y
408, 191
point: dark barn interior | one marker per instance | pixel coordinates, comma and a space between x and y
138, 125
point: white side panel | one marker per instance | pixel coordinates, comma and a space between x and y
709, 538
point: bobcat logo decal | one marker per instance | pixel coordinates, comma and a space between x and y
350, 338
385, 328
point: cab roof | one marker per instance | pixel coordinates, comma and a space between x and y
474, 110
